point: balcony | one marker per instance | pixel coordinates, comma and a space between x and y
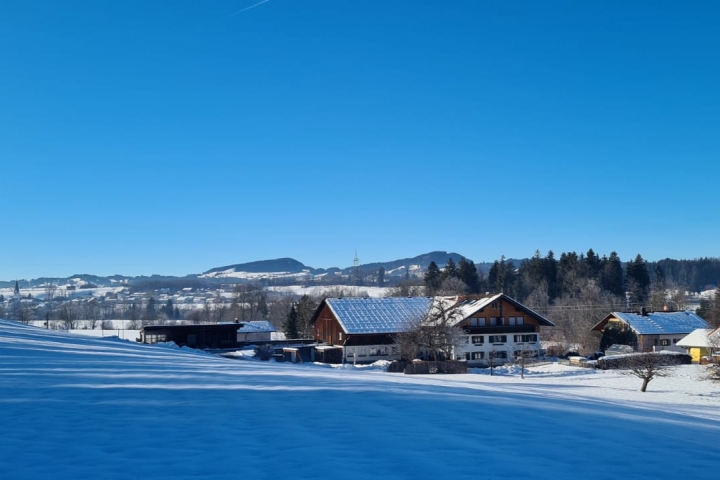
499, 329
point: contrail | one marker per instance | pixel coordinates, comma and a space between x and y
248, 8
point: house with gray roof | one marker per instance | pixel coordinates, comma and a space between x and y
651, 331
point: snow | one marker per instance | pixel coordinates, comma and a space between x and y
75, 406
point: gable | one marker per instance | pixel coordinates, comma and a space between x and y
473, 306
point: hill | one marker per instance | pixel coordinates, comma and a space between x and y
83, 407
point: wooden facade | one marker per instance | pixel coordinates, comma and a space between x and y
498, 328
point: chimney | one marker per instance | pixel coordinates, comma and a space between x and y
643, 311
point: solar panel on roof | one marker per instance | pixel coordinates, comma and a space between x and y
663, 322
378, 315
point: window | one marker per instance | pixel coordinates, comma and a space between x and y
498, 354
493, 321
675, 340
477, 339
477, 355
339, 335
473, 322
665, 342
529, 338
481, 321
519, 321
511, 321
493, 305
497, 338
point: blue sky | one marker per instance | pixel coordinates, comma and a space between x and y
143, 138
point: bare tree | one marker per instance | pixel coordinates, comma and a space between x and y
523, 357
249, 303
92, 314
278, 310
648, 366
492, 358
452, 286
25, 314
435, 336
68, 315
406, 288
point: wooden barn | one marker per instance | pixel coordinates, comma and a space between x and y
365, 327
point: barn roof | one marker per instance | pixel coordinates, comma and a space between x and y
657, 323
378, 315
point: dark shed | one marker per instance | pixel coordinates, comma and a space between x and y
216, 335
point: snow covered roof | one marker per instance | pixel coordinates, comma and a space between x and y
698, 338
659, 323
378, 315
468, 306
256, 326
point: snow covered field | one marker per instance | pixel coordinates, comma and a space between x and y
82, 407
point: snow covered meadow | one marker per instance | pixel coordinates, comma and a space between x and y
82, 407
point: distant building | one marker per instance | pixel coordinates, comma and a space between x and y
208, 336
649, 331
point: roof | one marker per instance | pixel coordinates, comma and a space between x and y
697, 338
378, 315
191, 326
468, 306
657, 323
256, 326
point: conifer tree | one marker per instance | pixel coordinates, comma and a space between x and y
637, 280
611, 275
450, 270
433, 279
467, 272
290, 327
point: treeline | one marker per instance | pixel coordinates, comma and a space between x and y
575, 291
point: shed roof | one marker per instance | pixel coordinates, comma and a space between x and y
658, 323
698, 338
378, 315
256, 326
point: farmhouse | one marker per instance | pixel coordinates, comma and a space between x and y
494, 326
498, 327
648, 331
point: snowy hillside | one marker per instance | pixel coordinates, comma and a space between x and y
82, 407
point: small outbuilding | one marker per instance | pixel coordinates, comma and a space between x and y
703, 343
202, 336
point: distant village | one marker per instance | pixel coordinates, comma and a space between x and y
579, 307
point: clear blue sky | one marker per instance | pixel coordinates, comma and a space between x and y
173, 137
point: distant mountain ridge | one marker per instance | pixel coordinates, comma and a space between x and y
263, 269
